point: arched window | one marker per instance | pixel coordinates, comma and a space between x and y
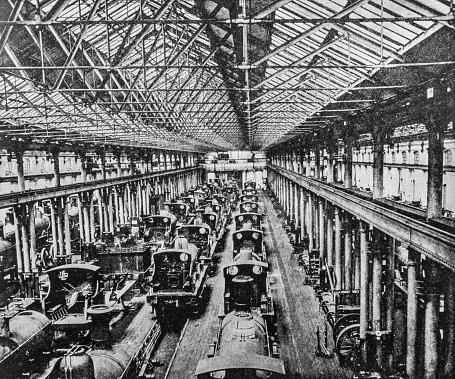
448, 157
404, 157
416, 157
394, 157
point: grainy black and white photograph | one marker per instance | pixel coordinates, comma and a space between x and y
227, 189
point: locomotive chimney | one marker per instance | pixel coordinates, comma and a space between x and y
4, 326
100, 333
242, 289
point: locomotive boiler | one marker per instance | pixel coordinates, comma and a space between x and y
24, 337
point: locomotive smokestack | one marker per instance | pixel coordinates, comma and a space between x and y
100, 333
242, 292
4, 326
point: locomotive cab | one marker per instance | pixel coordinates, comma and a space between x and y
159, 228
249, 206
181, 211
255, 219
249, 239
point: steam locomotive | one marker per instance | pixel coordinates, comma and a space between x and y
244, 347
98, 330
179, 275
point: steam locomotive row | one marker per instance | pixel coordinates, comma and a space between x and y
105, 307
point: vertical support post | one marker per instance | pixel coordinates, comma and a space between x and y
347, 252
121, 205
378, 162
390, 294
411, 317
32, 232
110, 210
81, 217
131, 172
66, 221
20, 169
377, 279
322, 238
83, 158
56, 158
296, 206
435, 168
308, 163
92, 217
17, 234
357, 264
449, 340
25, 244
99, 195
316, 223
431, 320
348, 162
54, 229
364, 280
338, 271
310, 221
302, 213
103, 164
85, 205
59, 219
329, 165
329, 236
317, 162
119, 164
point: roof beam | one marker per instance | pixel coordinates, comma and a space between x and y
58, 7
77, 44
15, 12
299, 61
311, 31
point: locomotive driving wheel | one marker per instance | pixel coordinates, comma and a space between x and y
347, 344
349, 319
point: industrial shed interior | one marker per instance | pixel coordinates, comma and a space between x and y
227, 189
